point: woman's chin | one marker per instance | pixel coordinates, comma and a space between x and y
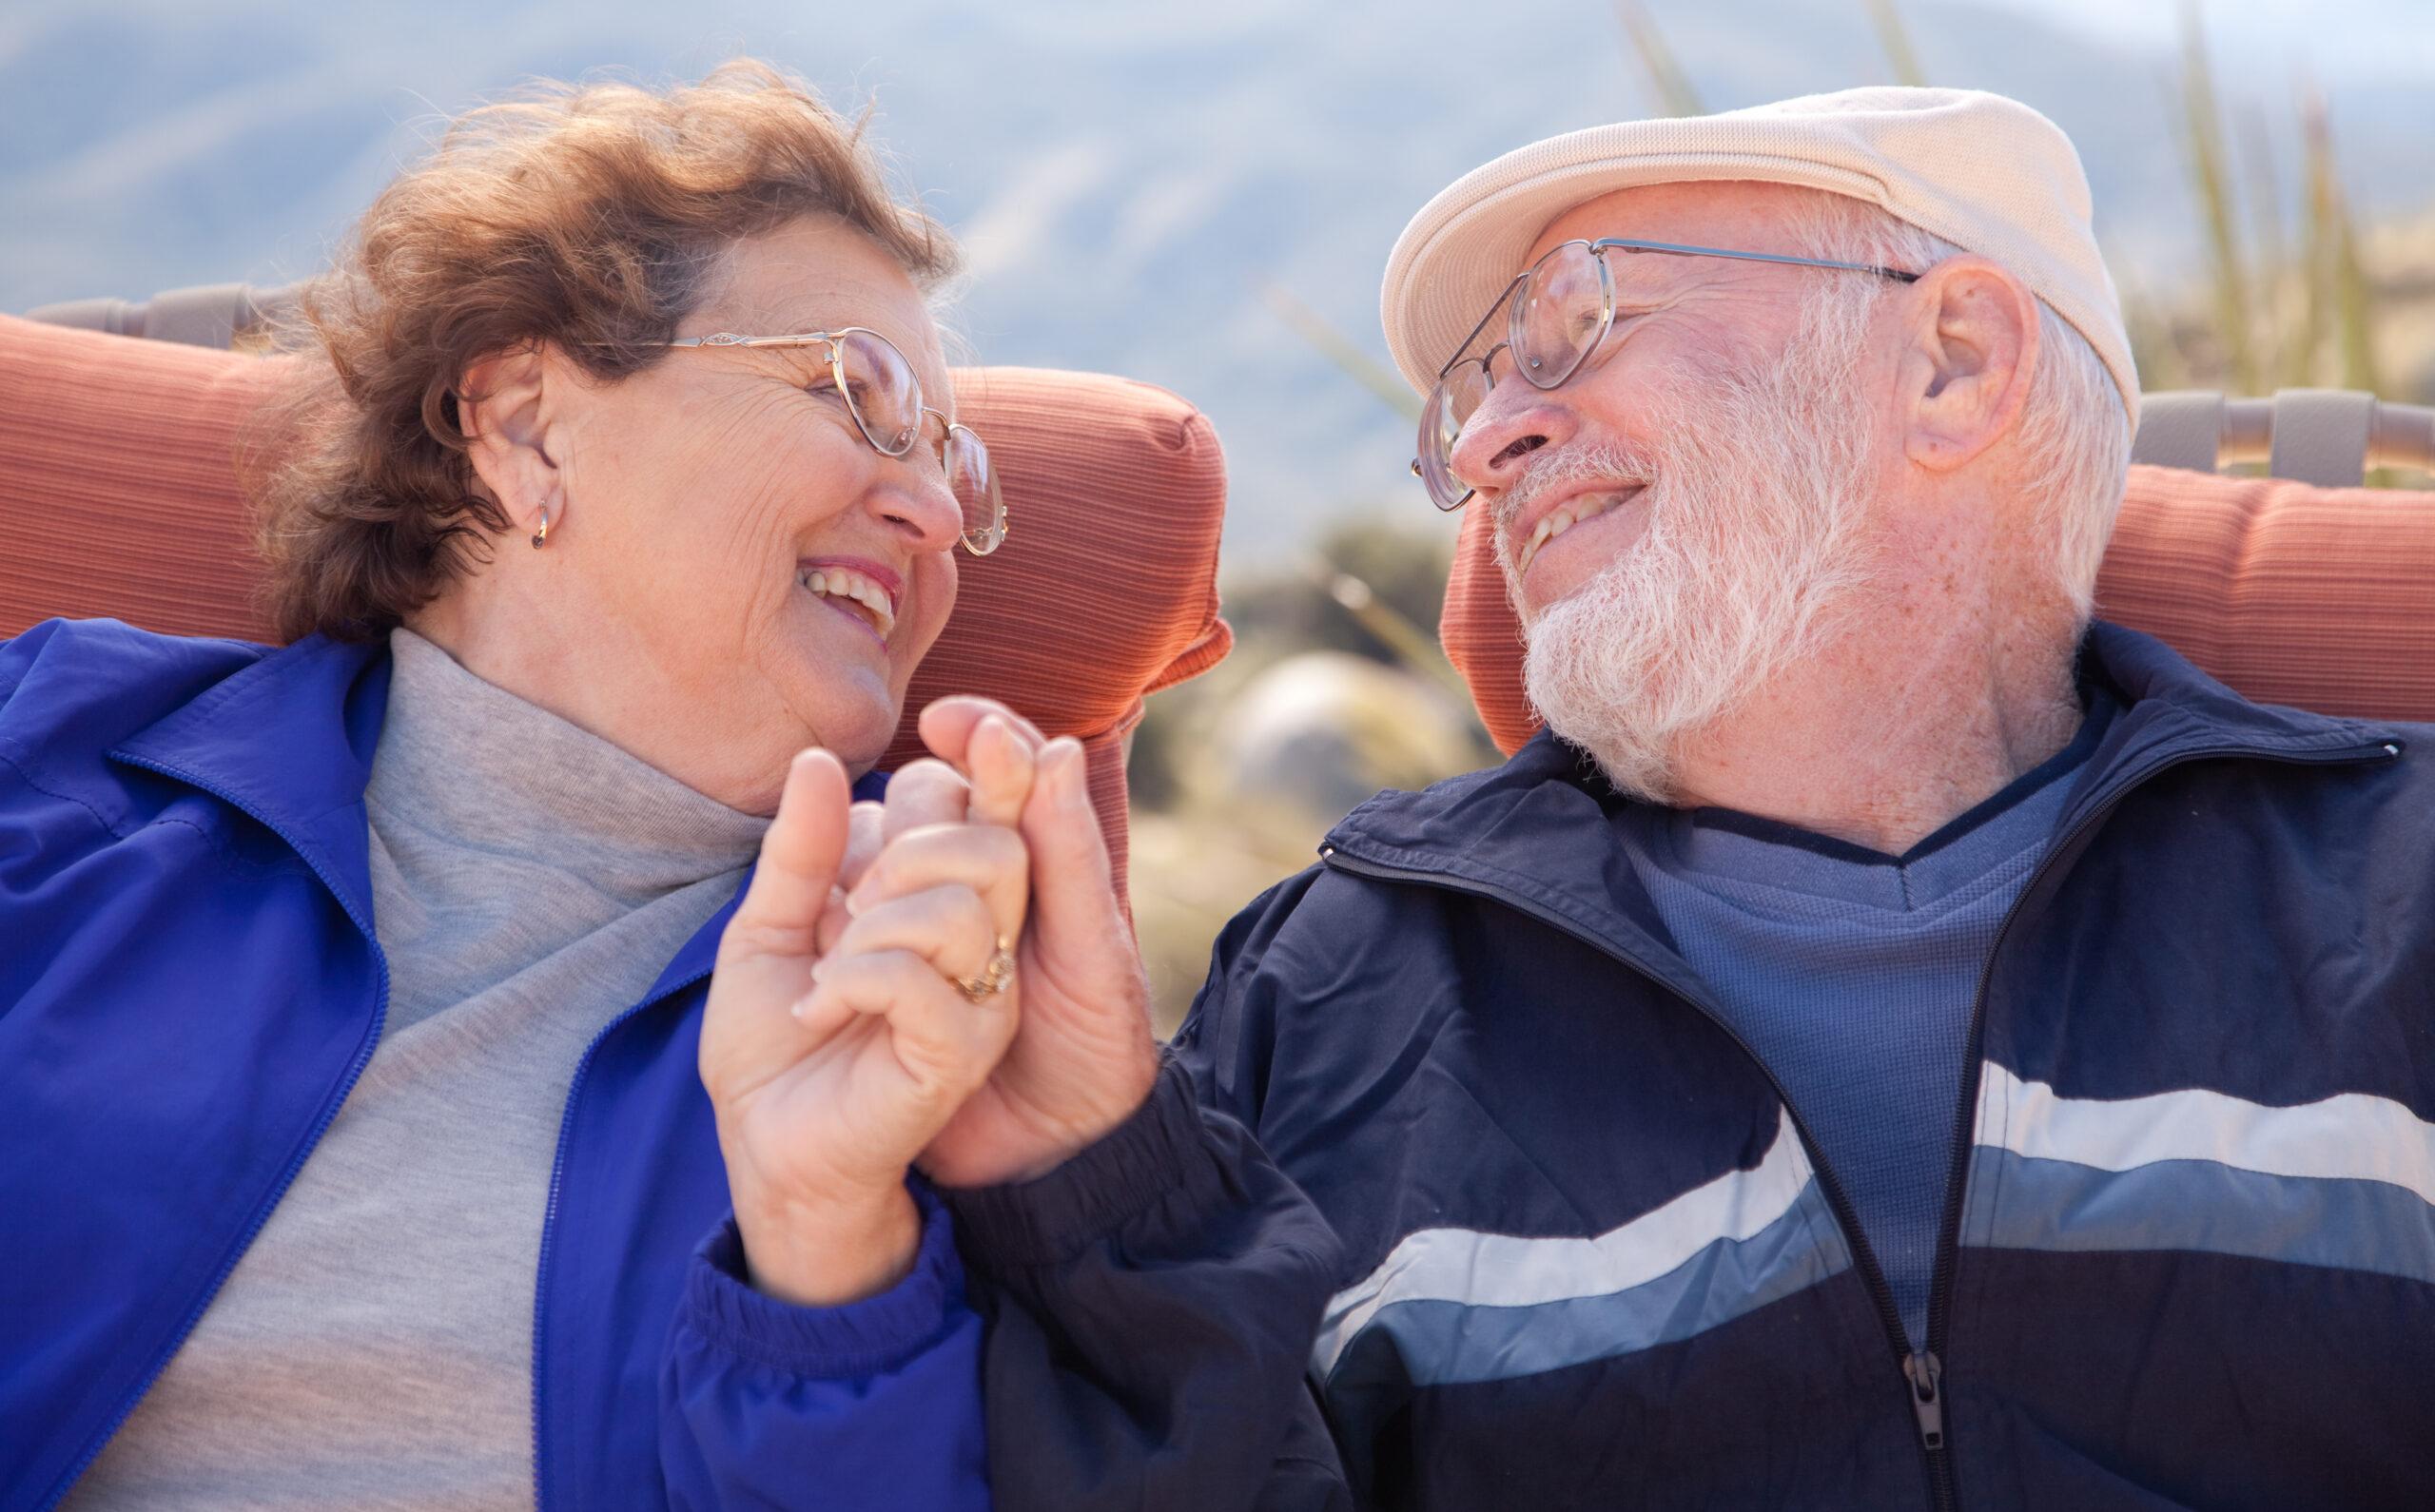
857, 735
843, 698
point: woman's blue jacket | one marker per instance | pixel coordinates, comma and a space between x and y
190, 986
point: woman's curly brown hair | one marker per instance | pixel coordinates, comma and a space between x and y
594, 218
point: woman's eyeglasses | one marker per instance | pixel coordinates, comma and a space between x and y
885, 398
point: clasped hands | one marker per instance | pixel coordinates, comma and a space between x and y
850, 1032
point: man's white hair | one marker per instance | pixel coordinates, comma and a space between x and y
2075, 434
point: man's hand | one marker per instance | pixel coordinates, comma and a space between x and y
836, 1044
1082, 1058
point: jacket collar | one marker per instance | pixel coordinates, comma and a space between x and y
2172, 712
1538, 828
2154, 680
289, 741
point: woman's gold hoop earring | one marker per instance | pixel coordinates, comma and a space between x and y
541, 537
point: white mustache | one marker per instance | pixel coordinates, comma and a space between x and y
1607, 463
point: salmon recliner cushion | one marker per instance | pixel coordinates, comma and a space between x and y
120, 496
2318, 597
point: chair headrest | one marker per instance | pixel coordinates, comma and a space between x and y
120, 496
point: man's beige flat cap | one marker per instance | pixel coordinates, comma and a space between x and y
1988, 174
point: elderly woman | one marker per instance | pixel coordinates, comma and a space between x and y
377, 1133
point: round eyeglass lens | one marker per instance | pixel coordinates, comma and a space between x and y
881, 386
975, 484
1450, 405
1559, 313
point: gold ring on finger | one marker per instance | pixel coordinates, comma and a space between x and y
993, 976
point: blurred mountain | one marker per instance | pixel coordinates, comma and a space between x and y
1127, 176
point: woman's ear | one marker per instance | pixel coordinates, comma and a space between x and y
504, 404
1973, 347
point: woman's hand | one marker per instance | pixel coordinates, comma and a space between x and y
836, 1044
1082, 1058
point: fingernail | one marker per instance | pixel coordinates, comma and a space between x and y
1072, 788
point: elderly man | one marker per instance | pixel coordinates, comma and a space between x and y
1891, 1042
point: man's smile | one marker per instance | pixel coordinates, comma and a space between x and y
1567, 513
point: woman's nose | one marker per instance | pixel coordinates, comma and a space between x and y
1514, 420
912, 497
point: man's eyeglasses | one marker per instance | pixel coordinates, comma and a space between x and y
884, 399
1557, 314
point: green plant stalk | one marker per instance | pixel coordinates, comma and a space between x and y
1674, 93
2321, 258
2339, 276
2274, 261
2204, 134
1339, 349
2355, 306
1415, 647
1896, 39
2354, 297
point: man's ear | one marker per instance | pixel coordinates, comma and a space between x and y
1965, 370
504, 406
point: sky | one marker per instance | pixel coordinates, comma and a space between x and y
1130, 177
2390, 41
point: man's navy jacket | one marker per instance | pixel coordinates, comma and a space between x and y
1592, 1259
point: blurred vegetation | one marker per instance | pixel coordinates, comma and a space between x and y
1895, 38
2210, 174
1675, 95
2279, 312
1337, 687
1350, 357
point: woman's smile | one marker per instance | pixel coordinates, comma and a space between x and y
863, 591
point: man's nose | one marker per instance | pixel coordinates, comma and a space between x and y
1513, 421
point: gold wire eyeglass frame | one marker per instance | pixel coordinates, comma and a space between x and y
1509, 302
979, 542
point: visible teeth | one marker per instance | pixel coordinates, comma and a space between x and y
1558, 521
855, 588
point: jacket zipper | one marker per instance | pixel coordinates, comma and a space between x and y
550, 1210
1927, 1370
287, 1178
1923, 1370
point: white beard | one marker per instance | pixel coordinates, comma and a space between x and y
1753, 500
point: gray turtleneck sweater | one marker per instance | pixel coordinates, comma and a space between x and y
374, 1347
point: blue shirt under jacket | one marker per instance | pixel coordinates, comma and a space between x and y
1850, 974
190, 984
